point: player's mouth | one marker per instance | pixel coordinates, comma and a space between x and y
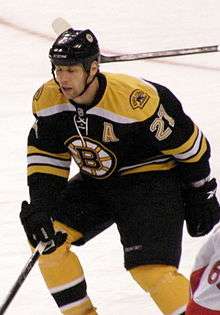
66, 89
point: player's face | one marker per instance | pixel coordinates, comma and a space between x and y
71, 80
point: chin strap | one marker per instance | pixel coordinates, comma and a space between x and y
87, 84
53, 73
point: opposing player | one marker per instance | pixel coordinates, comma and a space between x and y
144, 165
205, 279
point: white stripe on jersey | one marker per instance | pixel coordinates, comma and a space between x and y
192, 151
59, 108
39, 159
110, 115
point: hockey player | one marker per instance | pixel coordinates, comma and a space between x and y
205, 279
143, 163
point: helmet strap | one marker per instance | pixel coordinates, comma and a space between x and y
53, 73
87, 85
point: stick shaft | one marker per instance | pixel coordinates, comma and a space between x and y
59, 25
160, 54
23, 275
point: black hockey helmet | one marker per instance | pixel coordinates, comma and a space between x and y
75, 47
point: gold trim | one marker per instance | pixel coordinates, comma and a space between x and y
198, 156
34, 150
185, 146
152, 167
47, 170
73, 235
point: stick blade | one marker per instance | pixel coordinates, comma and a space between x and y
60, 25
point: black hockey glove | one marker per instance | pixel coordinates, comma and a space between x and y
202, 210
38, 226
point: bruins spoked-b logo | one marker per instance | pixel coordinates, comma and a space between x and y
138, 99
92, 157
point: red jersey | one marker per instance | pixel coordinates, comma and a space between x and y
205, 279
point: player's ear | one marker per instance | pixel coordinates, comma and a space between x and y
94, 68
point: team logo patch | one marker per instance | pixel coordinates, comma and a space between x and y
138, 99
89, 37
38, 93
92, 157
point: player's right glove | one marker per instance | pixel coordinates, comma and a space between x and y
202, 210
38, 226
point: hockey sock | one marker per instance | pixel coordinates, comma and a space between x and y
64, 277
168, 288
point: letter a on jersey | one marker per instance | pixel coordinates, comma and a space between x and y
108, 133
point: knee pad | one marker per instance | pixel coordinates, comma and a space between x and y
61, 266
168, 288
63, 251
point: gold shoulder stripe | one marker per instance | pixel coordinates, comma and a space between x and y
34, 150
185, 146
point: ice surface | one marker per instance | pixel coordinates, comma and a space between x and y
122, 26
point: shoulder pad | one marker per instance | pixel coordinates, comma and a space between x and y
141, 96
48, 100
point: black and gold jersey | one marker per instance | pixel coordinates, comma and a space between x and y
133, 126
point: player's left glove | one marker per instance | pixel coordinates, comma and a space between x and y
202, 210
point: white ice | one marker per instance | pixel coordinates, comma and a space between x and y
122, 26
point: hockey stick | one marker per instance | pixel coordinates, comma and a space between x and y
23, 275
59, 25
160, 54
